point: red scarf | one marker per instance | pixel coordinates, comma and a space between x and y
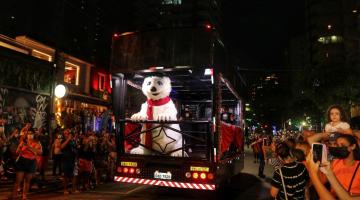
149, 112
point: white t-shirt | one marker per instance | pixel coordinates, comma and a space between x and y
331, 128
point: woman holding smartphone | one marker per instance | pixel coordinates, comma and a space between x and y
25, 164
346, 165
323, 193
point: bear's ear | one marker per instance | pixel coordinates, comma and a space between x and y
167, 80
156, 74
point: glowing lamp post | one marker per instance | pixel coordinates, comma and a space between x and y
60, 91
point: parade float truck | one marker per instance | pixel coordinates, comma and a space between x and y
211, 149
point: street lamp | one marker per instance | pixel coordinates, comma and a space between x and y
60, 91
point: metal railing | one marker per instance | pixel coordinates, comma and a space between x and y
195, 143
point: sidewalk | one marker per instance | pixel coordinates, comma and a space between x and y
52, 183
247, 185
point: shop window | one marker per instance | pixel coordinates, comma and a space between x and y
101, 82
71, 74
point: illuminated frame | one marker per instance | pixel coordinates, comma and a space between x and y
49, 57
101, 77
77, 71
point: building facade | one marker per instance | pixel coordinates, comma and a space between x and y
85, 105
333, 32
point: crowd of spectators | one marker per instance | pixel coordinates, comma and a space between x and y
299, 173
80, 160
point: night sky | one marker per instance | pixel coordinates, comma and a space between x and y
257, 31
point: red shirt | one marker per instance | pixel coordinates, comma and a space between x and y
26, 153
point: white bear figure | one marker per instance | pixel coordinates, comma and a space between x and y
157, 90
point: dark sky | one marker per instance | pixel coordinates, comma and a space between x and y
257, 31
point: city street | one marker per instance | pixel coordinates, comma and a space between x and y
244, 186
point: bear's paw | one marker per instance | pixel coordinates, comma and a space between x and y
164, 117
137, 150
179, 154
138, 117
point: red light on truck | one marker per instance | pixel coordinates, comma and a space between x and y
126, 170
119, 169
210, 176
132, 170
203, 176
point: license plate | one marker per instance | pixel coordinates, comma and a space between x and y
162, 175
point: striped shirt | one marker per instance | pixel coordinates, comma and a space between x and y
295, 178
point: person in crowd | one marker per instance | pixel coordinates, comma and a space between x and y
9, 162
86, 157
291, 142
337, 120
25, 129
255, 147
232, 119
258, 144
266, 146
336, 125
101, 153
57, 154
25, 165
274, 160
292, 176
112, 157
224, 115
300, 151
44, 140
322, 191
347, 156
68, 149
357, 135
13, 143
346, 159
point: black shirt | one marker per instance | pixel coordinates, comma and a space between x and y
69, 151
295, 178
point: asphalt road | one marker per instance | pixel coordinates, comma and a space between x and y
245, 185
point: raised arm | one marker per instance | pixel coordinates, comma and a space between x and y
313, 169
317, 137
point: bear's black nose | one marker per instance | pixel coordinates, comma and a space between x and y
153, 89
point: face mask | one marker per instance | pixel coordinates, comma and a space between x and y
339, 152
30, 137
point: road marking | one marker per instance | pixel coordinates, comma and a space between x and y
135, 189
118, 193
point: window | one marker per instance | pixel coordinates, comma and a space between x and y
173, 2
71, 74
330, 39
101, 82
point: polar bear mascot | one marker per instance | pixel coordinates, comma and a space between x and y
158, 107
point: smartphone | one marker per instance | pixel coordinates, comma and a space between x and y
319, 152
